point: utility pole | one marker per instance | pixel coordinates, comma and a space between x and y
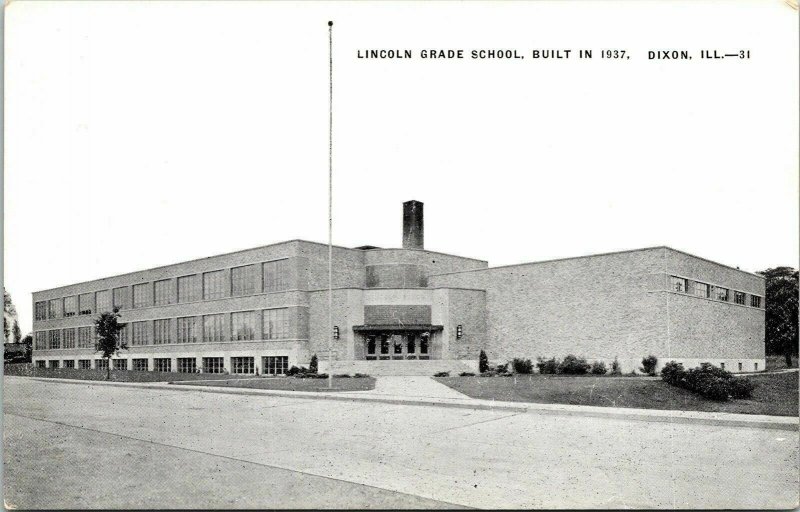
330, 204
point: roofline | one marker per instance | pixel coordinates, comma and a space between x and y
598, 255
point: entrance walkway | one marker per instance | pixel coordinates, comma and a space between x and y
408, 386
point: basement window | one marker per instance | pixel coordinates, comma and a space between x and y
740, 366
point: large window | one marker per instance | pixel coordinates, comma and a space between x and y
245, 280
187, 329
162, 364
142, 295
120, 364
701, 290
679, 284
161, 332
213, 328
84, 364
69, 338
54, 339
123, 334
101, 364
163, 292
187, 365
55, 308
242, 365
721, 293
755, 301
214, 284
275, 365
243, 326
40, 340
188, 288
70, 306
86, 303
54, 363
68, 363
275, 278
276, 324
103, 299
738, 297
122, 297
41, 310
139, 364
213, 364
85, 337
41, 364
141, 335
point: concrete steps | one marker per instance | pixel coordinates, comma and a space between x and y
401, 367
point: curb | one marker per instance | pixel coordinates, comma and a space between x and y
649, 415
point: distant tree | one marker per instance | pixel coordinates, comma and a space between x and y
28, 342
312, 366
11, 331
781, 311
108, 327
483, 362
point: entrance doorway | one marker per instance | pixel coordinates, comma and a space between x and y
387, 347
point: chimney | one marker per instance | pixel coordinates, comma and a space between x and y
413, 232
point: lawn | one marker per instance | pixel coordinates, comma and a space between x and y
291, 384
776, 394
779, 363
27, 370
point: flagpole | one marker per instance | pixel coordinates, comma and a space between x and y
330, 204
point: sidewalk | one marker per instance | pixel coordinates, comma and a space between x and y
653, 415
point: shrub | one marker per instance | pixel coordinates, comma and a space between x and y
649, 365
483, 362
548, 366
360, 375
616, 369
572, 365
672, 373
341, 375
292, 371
506, 374
522, 365
489, 373
441, 374
314, 364
466, 374
741, 387
502, 368
317, 375
599, 368
707, 380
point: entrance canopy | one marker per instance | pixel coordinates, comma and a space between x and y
385, 328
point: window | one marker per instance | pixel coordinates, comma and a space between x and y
213, 364
55, 308
142, 295
54, 363
40, 342
141, 335
162, 364
41, 364
275, 278
188, 288
276, 324
121, 297
101, 364
213, 328
187, 365
70, 306
69, 363
243, 325
68, 338
54, 338
721, 293
242, 365
187, 329
85, 337
163, 292
738, 298
120, 364
701, 290
123, 335
755, 367
275, 365
161, 331
139, 365
755, 301
680, 284
41, 311
85, 303
103, 301
722, 366
740, 366
423, 346
214, 285
84, 364
245, 280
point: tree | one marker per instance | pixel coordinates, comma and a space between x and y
28, 342
107, 327
781, 311
312, 366
11, 331
483, 362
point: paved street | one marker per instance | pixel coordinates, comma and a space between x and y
84, 445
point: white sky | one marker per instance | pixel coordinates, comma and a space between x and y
143, 134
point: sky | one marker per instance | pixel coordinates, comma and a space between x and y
139, 134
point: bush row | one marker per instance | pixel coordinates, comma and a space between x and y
708, 381
570, 365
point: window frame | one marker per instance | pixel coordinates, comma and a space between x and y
214, 285
193, 289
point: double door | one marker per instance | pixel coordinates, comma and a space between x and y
397, 346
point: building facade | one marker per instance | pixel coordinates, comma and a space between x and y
407, 310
